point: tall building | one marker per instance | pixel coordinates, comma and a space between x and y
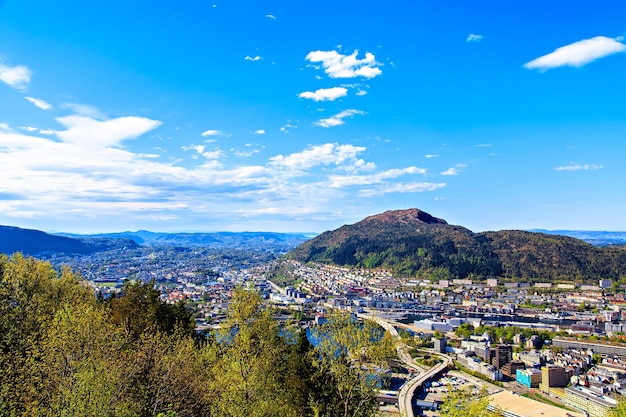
588, 401
530, 377
553, 376
501, 355
439, 344
510, 369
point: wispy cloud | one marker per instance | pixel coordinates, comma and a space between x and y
455, 170
326, 154
337, 65
39, 103
401, 187
474, 38
578, 53
576, 167
337, 119
112, 182
88, 132
360, 92
287, 127
325, 94
341, 181
259, 132
270, 16
17, 77
213, 132
36, 129
431, 156
85, 110
253, 58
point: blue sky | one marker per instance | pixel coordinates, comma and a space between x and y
304, 116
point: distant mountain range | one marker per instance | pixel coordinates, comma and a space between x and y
414, 243
33, 242
593, 237
216, 239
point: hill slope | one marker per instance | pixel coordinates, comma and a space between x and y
32, 242
414, 243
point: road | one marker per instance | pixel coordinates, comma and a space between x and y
405, 396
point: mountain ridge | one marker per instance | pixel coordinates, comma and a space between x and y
402, 241
32, 242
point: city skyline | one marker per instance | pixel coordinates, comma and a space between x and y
302, 117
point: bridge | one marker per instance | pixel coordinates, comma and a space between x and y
405, 396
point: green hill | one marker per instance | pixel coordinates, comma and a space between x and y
33, 242
414, 243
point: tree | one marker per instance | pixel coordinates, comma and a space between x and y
252, 365
139, 308
619, 411
31, 293
463, 403
350, 366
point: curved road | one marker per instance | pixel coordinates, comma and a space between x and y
405, 396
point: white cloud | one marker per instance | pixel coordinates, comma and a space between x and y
431, 156
455, 170
285, 128
197, 148
39, 103
89, 132
329, 153
253, 58
213, 132
70, 184
259, 132
85, 110
270, 16
337, 65
17, 77
340, 181
474, 38
361, 92
247, 154
325, 94
576, 167
40, 131
215, 154
337, 119
578, 53
411, 187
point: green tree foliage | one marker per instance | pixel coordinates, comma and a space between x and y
350, 366
409, 246
63, 352
619, 411
139, 309
252, 369
463, 403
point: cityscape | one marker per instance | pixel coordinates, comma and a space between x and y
557, 342
222, 209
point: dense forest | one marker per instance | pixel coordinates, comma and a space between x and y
414, 244
66, 352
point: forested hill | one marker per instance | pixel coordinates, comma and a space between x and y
32, 242
284, 241
414, 243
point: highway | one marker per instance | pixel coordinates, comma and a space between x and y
405, 396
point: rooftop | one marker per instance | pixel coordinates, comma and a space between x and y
516, 405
